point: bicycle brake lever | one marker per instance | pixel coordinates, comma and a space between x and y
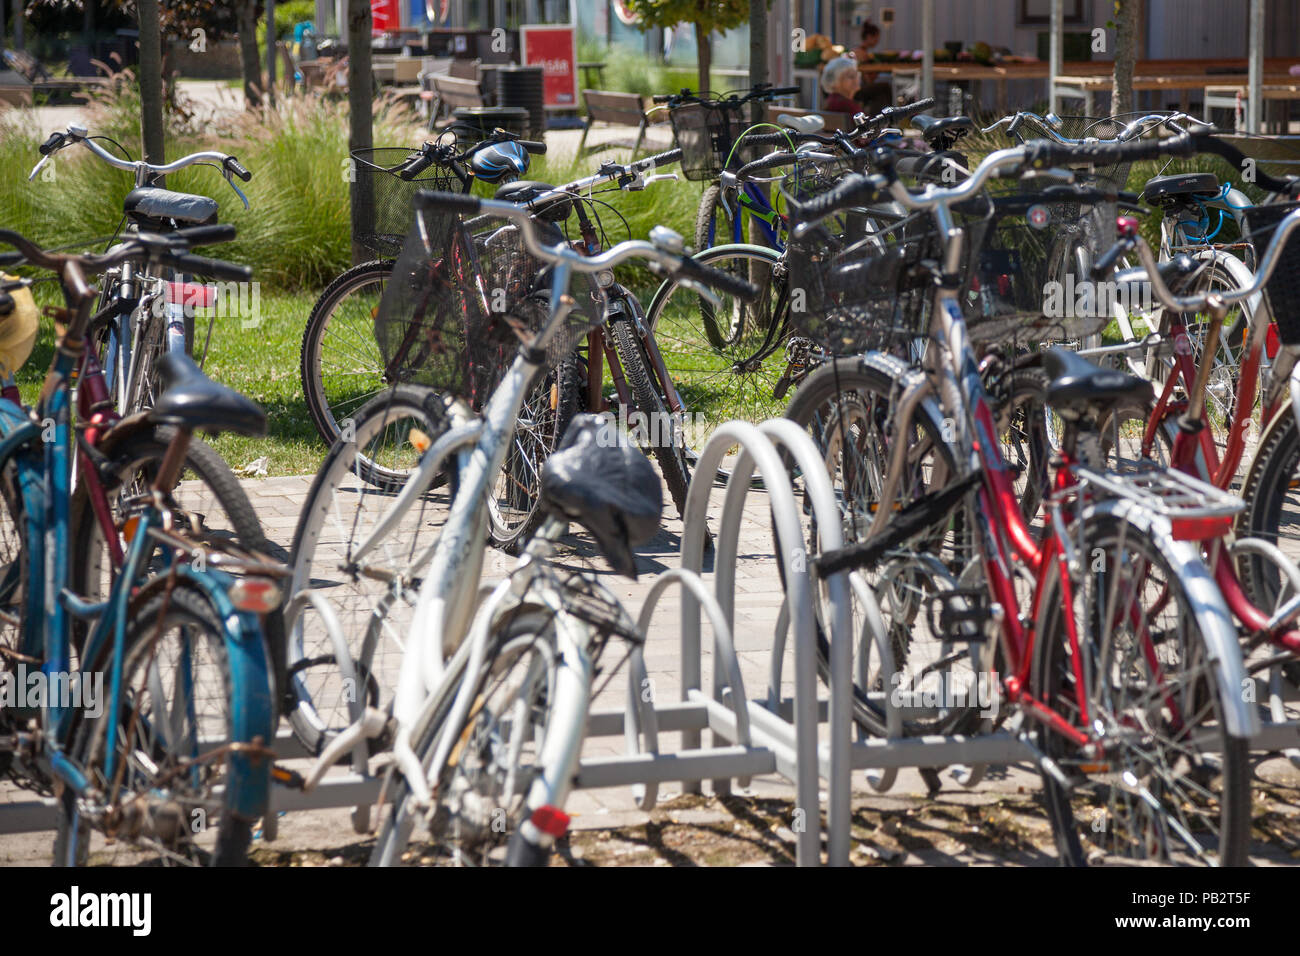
39, 166
659, 176
238, 192
703, 291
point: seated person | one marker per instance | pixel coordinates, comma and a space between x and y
840, 80
872, 96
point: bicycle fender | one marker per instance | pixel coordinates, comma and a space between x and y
1212, 614
252, 708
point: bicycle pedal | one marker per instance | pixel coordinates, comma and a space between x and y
963, 613
288, 778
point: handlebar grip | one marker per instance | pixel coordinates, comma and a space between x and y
1014, 126
764, 163
661, 97
1042, 153
783, 91
11, 258
532, 146
53, 143
667, 158
201, 265
415, 165
1106, 264
908, 109
459, 203
205, 235
742, 289
238, 169
853, 190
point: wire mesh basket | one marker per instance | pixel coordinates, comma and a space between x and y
463, 297
1283, 288
857, 283
383, 211
706, 133
1031, 282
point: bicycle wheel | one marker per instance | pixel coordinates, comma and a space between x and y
375, 601
713, 221
170, 738
663, 430
1272, 512
341, 366
743, 376
848, 408
514, 506
210, 503
1171, 785
1221, 387
483, 790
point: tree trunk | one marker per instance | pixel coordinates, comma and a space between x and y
705, 55
1126, 41
151, 101
246, 22
361, 117
270, 52
758, 72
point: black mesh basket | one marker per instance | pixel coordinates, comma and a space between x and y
463, 297
383, 210
1031, 282
706, 133
1283, 288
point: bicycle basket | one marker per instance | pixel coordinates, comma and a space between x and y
1031, 283
383, 209
705, 133
1283, 288
1104, 128
463, 297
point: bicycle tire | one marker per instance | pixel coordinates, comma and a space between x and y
853, 377
1172, 626
741, 380
132, 459
1269, 492
189, 606
650, 402
530, 628
708, 218
324, 538
518, 489
327, 412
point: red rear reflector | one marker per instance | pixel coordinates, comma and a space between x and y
259, 595
1004, 285
191, 294
550, 820
1200, 529
1272, 344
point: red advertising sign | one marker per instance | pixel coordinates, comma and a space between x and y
385, 16
555, 50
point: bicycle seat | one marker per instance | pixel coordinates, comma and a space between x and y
151, 204
946, 130
807, 123
191, 400
607, 486
1163, 189
1076, 384
523, 192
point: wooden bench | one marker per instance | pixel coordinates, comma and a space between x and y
615, 109
453, 92
1235, 97
32, 77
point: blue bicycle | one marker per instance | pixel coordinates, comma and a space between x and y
154, 708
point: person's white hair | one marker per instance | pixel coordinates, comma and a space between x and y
833, 70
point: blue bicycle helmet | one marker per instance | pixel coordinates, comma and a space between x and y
499, 162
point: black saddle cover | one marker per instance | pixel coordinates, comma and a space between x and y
607, 486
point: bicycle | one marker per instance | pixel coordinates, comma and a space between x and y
429, 587
1138, 638
341, 366
182, 616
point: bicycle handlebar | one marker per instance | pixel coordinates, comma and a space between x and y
677, 264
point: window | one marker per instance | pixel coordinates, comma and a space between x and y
1035, 12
